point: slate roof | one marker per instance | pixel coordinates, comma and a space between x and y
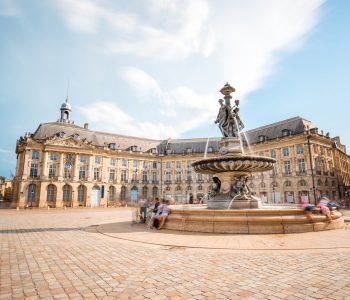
295, 125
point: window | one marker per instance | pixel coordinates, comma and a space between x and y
67, 170
168, 151
287, 169
210, 177
111, 196
145, 192
301, 165
273, 153
81, 195
69, 157
288, 183
123, 175
154, 150
167, 176
178, 165
178, 176
285, 152
155, 192
262, 138
51, 193
154, 176
66, 193
123, 193
111, 174
200, 188
33, 170
82, 158
35, 154
262, 185
82, 173
135, 148
302, 183
52, 170
135, 163
189, 164
274, 170
189, 175
286, 132
300, 149
112, 161
124, 163
144, 176
319, 182
96, 173
189, 150
210, 149
97, 159
199, 177
112, 146
168, 165
154, 165
135, 175
31, 193
53, 156
145, 165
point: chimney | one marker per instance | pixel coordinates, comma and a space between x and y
86, 125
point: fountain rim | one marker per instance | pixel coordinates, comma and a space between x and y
234, 158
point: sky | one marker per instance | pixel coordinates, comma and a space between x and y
154, 68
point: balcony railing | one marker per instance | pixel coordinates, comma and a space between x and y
301, 173
318, 173
155, 181
200, 180
134, 181
167, 181
123, 180
145, 181
287, 174
326, 173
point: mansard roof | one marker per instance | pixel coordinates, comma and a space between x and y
296, 125
99, 139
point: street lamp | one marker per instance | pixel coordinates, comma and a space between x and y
273, 195
72, 198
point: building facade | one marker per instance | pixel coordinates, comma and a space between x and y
63, 164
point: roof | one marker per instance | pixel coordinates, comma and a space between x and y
294, 125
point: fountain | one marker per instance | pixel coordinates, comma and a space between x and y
231, 207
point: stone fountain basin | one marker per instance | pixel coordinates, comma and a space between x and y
248, 221
242, 163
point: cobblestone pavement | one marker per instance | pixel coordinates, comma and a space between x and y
58, 254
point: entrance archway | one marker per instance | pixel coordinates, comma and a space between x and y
134, 194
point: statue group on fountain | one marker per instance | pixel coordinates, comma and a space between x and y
229, 120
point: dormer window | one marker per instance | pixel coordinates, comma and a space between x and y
210, 149
286, 132
61, 134
135, 148
154, 150
168, 151
189, 150
262, 138
112, 146
76, 135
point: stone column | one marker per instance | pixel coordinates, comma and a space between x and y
42, 195
44, 165
89, 170
60, 171
26, 165
75, 168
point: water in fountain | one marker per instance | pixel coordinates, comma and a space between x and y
248, 144
239, 135
206, 149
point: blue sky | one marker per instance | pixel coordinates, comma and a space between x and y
154, 68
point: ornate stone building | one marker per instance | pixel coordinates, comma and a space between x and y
62, 164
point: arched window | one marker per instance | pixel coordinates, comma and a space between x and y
31, 193
155, 192
111, 196
66, 193
200, 188
262, 185
287, 183
178, 188
189, 188
302, 183
210, 149
326, 183
81, 195
51, 193
123, 193
167, 188
189, 150
145, 192
319, 182
274, 184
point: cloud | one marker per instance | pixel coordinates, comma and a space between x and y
236, 41
4, 151
174, 112
9, 8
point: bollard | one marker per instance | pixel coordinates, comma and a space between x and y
48, 208
17, 208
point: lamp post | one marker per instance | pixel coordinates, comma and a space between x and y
72, 199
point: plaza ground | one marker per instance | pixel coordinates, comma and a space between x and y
97, 254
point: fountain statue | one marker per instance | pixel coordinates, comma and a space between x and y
232, 168
231, 206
